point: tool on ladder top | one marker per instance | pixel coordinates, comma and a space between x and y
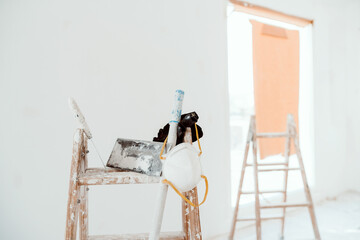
144, 156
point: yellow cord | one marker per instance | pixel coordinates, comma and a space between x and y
198, 140
162, 149
183, 197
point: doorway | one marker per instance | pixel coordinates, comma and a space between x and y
241, 99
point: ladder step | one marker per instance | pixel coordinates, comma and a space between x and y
267, 164
272, 135
278, 169
141, 236
101, 176
285, 205
261, 192
262, 218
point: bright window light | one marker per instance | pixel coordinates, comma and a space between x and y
241, 93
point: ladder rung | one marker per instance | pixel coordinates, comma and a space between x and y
261, 192
100, 176
267, 164
278, 169
262, 218
285, 205
272, 135
163, 236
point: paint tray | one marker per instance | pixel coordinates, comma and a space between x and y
137, 156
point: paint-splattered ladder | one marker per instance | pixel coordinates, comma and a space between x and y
81, 177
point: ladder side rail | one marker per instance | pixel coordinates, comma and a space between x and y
286, 173
84, 210
72, 205
190, 214
256, 181
242, 175
305, 182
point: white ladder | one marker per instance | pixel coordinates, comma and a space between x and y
290, 134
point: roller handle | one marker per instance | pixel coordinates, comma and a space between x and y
79, 117
160, 203
175, 118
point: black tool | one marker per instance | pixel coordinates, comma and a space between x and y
186, 120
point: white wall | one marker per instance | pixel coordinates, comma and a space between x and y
122, 60
352, 71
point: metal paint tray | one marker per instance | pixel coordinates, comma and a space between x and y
137, 156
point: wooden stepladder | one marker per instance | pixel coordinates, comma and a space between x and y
290, 135
81, 177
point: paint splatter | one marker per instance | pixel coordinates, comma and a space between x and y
137, 156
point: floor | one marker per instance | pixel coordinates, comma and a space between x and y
338, 219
